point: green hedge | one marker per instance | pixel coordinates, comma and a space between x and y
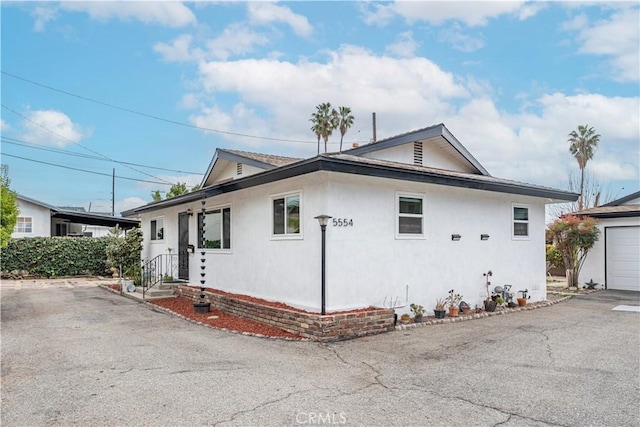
56, 256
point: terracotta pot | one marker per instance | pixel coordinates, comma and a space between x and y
522, 302
453, 311
466, 309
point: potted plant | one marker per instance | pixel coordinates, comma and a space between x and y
453, 300
123, 253
522, 301
464, 307
439, 311
489, 303
418, 312
405, 318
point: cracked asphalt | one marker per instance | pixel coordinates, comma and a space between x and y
84, 356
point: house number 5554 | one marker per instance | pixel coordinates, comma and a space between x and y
342, 222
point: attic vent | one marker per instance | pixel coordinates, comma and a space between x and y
417, 153
239, 168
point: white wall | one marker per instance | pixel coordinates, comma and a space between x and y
594, 264
40, 219
432, 157
365, 262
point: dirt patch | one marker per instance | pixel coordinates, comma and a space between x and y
221, 320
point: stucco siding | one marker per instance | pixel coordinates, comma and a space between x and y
366, 262
431, 157
40, 219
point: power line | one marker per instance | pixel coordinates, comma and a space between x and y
151, 116
84, 170
80, 145
14, 141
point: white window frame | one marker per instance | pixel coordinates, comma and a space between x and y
406, 236
153, 239
285, 235
19, 229
515, 221
210, 210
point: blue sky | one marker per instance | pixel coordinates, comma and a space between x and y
509, 79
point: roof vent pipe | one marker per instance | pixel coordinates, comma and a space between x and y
374, 127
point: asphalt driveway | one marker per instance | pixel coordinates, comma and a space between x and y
84, 356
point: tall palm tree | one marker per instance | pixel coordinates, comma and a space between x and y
583, 144
345, 120
325, 121
317, 127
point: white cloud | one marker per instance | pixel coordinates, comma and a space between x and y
166, 13
179, 50
471, 13
43, 14
405, 47
404, 92
267, 13
236, 39
4, 126
532, 147
459, 40
51, 127
617, 37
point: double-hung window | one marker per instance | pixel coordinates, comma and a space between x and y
24, 225
286, 215
157, 229
520, 221
217, 229
410, 211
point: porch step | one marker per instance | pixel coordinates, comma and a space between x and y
149, 294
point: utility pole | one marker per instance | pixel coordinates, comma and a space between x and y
113, 192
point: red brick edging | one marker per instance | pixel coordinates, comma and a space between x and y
330, 327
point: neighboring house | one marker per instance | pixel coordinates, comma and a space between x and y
38, 219
414, 216
614, 260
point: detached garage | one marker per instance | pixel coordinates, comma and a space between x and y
615, 259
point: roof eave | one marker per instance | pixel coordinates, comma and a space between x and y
325, 163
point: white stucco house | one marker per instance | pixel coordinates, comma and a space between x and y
413, 216
39, 219
614, 261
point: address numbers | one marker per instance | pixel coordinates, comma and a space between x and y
342, 222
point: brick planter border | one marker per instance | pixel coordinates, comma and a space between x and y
330, 327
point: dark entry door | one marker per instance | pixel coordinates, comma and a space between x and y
183, 242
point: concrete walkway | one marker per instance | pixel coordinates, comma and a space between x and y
73, 282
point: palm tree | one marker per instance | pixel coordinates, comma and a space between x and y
324, 120
583, 143
316, 128
345, 120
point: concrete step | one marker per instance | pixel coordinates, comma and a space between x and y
149, 295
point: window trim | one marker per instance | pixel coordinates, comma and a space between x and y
211, 209
30, 218
520, 221
285, 235
397, 214
164, 230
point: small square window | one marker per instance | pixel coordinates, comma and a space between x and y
286, 215
217, 229
24, 224
410, 215
157, 229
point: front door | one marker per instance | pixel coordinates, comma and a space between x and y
183, 242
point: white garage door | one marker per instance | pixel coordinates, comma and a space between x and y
623, 258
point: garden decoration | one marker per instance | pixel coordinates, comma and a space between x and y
202, 306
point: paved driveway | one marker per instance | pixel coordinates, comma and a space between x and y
84, 356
